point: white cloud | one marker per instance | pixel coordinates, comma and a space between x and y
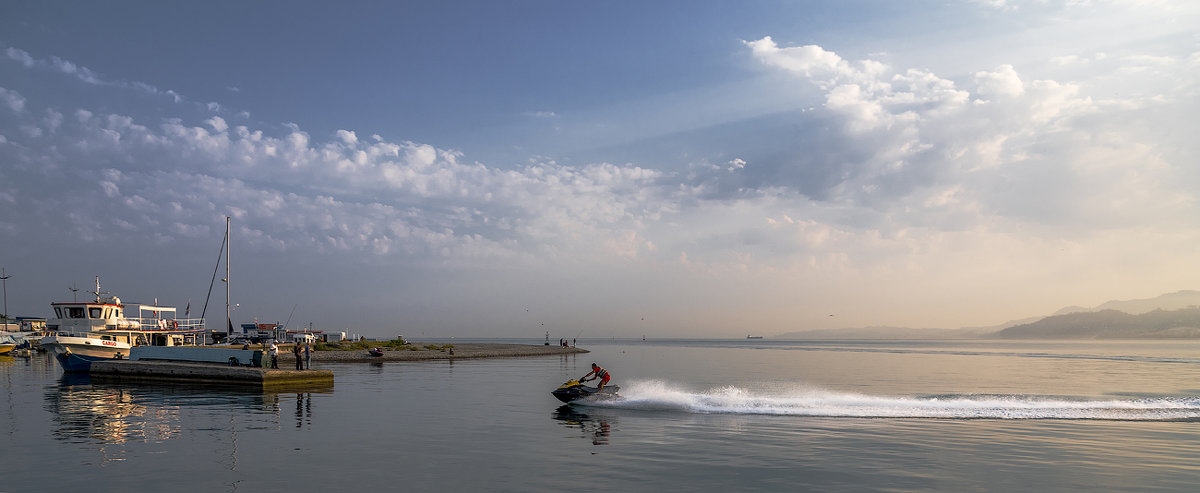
297, 194
1002, 82
1067, 60
218, 124
12, 99
347, 137
21, 56
810, 60
53, 120
81, 73
88, 76
955, 171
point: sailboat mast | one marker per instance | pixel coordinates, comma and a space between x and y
228, 318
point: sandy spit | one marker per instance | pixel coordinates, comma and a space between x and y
461, 351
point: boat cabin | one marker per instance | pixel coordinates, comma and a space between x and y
107, 318
107, 314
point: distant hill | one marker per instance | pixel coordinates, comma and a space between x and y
1129, 319
1171, 301
1073, 309
1110, 324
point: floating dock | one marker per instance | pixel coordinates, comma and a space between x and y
174, 371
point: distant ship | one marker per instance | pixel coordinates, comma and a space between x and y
753, 337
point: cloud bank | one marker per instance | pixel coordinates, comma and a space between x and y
925, 181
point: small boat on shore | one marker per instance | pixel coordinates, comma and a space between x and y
83, 332
753, 337
376, 352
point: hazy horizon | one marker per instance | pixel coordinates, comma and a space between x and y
677, 169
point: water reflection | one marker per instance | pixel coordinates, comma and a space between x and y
597, 427
105, 414
303, 409
87, 410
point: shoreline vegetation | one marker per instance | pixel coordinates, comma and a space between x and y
400, 350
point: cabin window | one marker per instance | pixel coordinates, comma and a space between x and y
57, 312
107, 312
94, 312
74, 312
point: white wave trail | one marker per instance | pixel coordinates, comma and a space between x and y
656, 395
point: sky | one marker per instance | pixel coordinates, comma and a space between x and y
601, 169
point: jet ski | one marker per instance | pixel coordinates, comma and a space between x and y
574, 390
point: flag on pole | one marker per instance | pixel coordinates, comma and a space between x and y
187, 311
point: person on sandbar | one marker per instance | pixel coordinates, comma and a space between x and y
597, 372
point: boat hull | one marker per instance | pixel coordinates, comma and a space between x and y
78, 353
73, 363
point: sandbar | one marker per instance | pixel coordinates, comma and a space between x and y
460, 350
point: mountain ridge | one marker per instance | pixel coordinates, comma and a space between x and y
1136, 318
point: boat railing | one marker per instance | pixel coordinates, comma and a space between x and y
170, 324
73, 333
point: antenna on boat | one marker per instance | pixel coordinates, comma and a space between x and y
75, 291
97, 292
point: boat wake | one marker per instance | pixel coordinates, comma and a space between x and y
657, 395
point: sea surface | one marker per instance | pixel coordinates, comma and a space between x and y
696, 415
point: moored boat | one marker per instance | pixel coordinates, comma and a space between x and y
84, 332
77, 351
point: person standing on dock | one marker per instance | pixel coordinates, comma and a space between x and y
308, 356
274, 355
296, 351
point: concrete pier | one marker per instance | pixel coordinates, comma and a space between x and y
169, 371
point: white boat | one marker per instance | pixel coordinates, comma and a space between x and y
15, 343
83, 332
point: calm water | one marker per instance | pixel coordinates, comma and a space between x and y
696, 416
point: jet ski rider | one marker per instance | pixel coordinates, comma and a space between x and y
597, 372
